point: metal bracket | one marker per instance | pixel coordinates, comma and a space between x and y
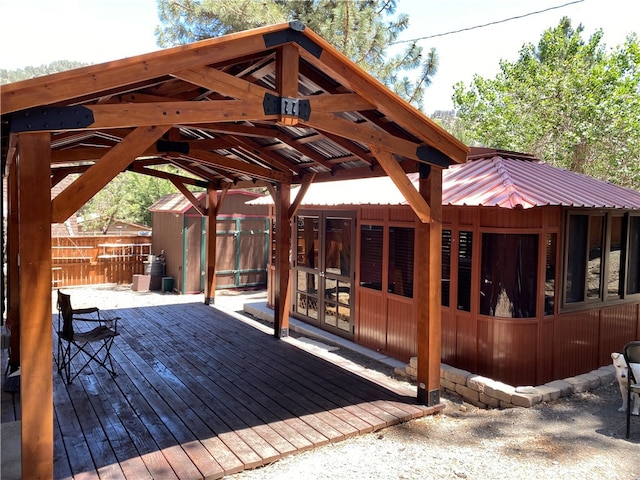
293, 107
433, 156
169, 146
292, 35
51, 118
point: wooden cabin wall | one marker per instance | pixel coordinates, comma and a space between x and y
167, 236
193, 277
385, 321
518, 351
584, 340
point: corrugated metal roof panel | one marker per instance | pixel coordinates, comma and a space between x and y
513, 182
494, 181
174, 203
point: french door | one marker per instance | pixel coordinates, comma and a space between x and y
324, 270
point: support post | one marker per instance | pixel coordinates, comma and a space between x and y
283, 242
13, 291
428, 289
212, 213
36, 362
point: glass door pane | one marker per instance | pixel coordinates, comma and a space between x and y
307, 266
338, 236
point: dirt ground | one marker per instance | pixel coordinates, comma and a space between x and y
581, 436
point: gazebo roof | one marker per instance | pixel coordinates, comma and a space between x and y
490, 178
271, 105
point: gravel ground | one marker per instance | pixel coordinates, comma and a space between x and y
581, 436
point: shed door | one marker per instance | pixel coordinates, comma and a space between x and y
324, 270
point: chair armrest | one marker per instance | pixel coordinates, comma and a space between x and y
82, 311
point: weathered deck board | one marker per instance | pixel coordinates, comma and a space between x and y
200, 393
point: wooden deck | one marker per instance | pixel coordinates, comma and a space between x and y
202, 394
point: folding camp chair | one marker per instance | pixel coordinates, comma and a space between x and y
631, 354
87, 345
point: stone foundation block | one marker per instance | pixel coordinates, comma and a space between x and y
563, 386
499, 390
456, 375
491, 402
478, 382
584, 382
526, 400
549, 394
469, 395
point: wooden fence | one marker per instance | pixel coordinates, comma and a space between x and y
92, 260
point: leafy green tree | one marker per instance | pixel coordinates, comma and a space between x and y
127, 197
10, 76
567, 100
360, 29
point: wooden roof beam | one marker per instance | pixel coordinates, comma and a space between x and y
223, 83
201, 209
350, 75
103, 171
85, 81
287, 59
396, 173
238, 166
265, 155
307, 180
365, 134
172, 177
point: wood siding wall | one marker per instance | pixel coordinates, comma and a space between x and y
240, 250
518, 351
93, 260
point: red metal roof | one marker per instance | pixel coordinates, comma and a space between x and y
494, 179
507, 182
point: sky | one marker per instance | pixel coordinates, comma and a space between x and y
37, 32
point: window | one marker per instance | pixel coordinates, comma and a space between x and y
371, 256
550, 274
633, 274
594, 263
446, 267
465, 249
401, 245
308, 242
576, 256
614, 257
596, 248
509, 275
337, 247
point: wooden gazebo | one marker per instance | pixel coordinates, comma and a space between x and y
273, 107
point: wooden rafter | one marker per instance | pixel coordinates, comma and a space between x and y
103, 171
122, 72
237, 166
363, 133
223, 83
411, 119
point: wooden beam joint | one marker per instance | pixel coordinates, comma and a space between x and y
286, 106
293, 35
